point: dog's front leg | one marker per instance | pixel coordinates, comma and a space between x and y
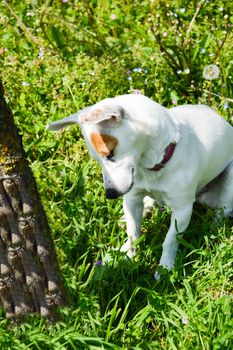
133, 209
179, 222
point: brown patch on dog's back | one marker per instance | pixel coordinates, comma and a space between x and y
103, 144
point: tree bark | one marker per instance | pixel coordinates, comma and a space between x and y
29, 274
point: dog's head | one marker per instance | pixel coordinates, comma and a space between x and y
110, 137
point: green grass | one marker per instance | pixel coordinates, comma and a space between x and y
58, 57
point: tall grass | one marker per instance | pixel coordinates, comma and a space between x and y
60, 56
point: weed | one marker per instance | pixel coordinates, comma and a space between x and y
60, 56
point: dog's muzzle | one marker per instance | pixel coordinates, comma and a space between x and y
116, 187
111, 193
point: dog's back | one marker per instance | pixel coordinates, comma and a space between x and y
214, 136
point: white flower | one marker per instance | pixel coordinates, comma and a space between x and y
138, 70
179, 71
187, 71
41, 53
185, 320
211, 72
25, 83
63, 173
226, 106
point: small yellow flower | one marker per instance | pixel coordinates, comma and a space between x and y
211, 72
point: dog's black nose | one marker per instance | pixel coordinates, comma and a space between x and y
111, 193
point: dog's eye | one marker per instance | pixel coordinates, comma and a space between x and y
110, 156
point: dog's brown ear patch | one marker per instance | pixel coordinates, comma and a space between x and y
103, 144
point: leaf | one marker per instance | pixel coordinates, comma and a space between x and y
186, 244
57, 36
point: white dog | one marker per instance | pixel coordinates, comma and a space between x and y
175, 156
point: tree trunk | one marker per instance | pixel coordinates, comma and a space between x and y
29, 274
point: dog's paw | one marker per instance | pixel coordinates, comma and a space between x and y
128, 249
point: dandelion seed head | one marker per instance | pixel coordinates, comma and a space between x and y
211, 72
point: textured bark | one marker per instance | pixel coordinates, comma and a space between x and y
29, 274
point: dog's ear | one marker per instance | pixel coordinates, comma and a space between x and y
63, 123
105, 117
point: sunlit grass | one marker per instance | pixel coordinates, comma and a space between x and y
70, 54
